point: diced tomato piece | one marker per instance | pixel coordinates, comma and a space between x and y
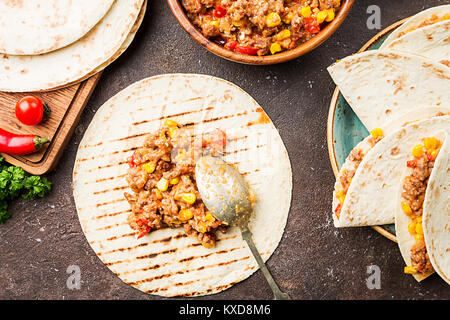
215, 138
230, 45
144, 232
220, 12
337, 211
411, 163
131, 162
311, 25
246, 50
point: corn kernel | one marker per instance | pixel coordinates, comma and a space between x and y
406, 208
446, 16
330, 15
214, 23
418, 237
189, 198
419, 220
417, 151
288, 18
173, 132
409, 270
430, 143
170, 123
306, 11
201, 227
412, 228
162, 184
340, 195
377, 132
419, 228
174, 180
208, 245
434, 154
321, 16
273, 19
158, 194
185, 214
283, 35
274, 48
149, 167
237, 23
209, 217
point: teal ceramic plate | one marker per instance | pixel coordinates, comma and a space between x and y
345, 130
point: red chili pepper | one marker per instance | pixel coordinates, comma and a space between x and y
246, 50
220, 12
20, 144
411, 163
311, 25
230, 45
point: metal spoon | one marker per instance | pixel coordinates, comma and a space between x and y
226, 195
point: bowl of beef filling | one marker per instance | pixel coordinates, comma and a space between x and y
260, 31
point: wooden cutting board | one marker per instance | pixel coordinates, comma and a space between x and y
66, 106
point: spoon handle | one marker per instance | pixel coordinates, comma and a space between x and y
279, 295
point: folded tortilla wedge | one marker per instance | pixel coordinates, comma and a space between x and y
370, 197
420, 20
384, 85
432, 42
422, 217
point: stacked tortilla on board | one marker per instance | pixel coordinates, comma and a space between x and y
50, 44
400, 92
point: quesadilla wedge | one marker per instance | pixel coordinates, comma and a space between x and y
431, 42
425, 164
351, 164
166, 261
420, 20
383, 85
369, 197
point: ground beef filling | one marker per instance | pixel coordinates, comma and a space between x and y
162, 178
257, 27
413, 196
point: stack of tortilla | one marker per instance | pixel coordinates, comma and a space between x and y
401, 94
49, 44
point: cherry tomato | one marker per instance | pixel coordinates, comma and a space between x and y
30, 110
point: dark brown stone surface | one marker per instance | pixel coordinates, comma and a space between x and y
313, 261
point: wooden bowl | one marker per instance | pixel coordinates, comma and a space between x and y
324, 34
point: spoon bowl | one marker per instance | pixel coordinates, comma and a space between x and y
227, 196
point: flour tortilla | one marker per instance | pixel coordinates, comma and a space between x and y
366, 144
436, 214
384, 85
165, 262
419, 20
64, 66
119, 52
371, 198
432, 42
33, 27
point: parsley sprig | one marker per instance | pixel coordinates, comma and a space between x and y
15, 183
